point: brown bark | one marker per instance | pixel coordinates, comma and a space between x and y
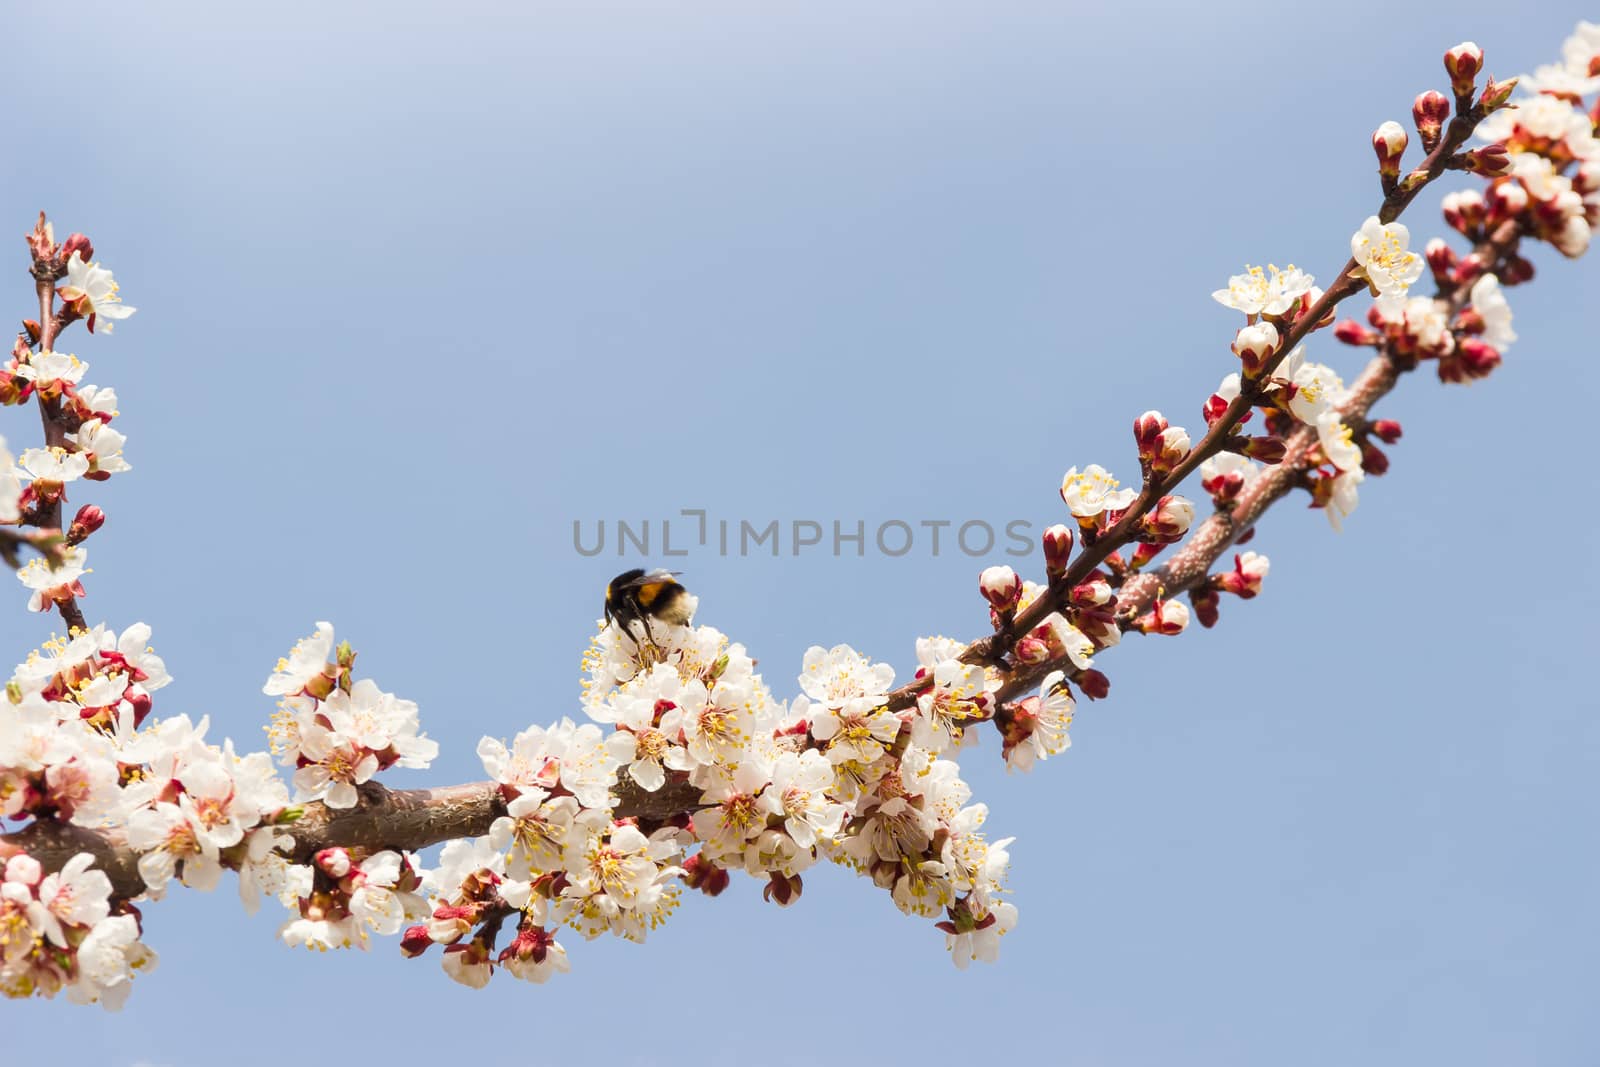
409, 819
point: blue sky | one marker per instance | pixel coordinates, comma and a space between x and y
419, 286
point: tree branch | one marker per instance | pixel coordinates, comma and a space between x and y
993, 649
408, 819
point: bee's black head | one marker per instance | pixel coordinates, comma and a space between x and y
623, 580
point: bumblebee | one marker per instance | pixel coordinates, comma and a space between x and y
642, 595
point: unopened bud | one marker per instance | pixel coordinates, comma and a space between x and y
1441, 259
1515, 271
1093, 684
1266, 449
87, 521
1374, 460
334, 861
1172, 448
1479, 357
1495, 94
1207, 604
1166, 617
1244, 581
1216, 407
1506, 200
1389, 142
415, 941
1147, 429
1386, 430
1001, 587
1491, 161
1254, 345
1462, 63
1430, 112
80, 244
1057, 548
1352, 332
1091, 594
1465, 211
700, 873
1031, 650
1168, 521
24, 870
1468, 269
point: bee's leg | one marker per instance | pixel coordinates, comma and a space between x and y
648, 633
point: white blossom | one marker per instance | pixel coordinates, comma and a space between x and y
1092, 491
1383, 252
1489, 300
1256, 292
94, 285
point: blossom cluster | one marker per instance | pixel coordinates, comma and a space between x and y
34, 484
79, 745
752, 786
1542, 165
58, 932
337, 732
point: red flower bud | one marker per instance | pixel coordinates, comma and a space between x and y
1441, 259
1352, 332
1094, 684
1091, 594
1491, 161
1215, 408
87, 521
1164, 617
704, 875
1430, 112
1001, 587
1465, 211
1468, 270
1480, 356
1389, 143
1463, 62
1168, 521
1206, 604
1374, 460
1473, 358
80, 244
1057, 548
1386, 430
1147, 429
1254, 345
1031, 650
1506, 200
415, 941
1515, 271
335, 861
1266, 449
